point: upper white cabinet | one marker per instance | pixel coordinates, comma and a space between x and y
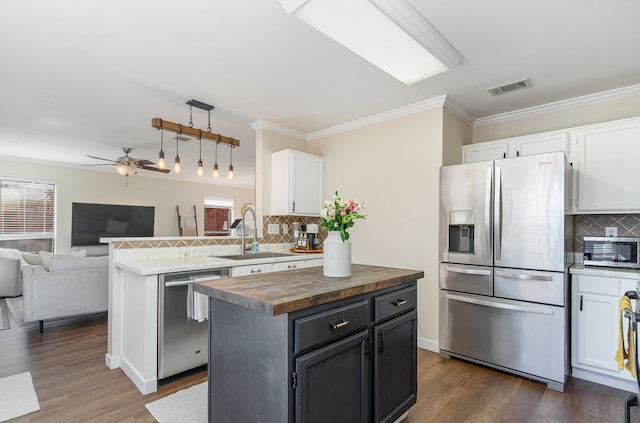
296, 183
528, 145
607, 167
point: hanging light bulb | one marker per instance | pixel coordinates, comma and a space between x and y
176, 165
161, 163
200, 170
216, 170
230, 175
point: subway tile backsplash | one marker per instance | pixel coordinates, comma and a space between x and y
594, 225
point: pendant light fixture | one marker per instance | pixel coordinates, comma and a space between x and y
176, 164
230, 175
161, 162
216, 170
200, 170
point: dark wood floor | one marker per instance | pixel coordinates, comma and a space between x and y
74, 385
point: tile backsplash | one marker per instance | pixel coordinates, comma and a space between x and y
288, 237
594, 225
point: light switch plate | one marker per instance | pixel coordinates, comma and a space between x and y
285, 228
273, 228
610, 231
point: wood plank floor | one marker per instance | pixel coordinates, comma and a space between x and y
74, 385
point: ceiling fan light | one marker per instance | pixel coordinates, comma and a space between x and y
126, 170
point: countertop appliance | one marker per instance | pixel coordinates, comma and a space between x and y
506, 234
612, 252
182, 341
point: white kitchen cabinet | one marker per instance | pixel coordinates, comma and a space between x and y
485, 151
595, 329
296, 183
547, 142
607, 174
289, 265
251, 269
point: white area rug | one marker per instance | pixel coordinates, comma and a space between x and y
188, 406
17, 396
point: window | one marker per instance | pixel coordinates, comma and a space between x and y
218, 213
27, 214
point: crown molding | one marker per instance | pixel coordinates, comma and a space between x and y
380, 117
556, 106
279, 129
454, 108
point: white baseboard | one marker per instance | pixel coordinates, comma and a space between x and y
614, 382
426, 344
144, 386
112, 362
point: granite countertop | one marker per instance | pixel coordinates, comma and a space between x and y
612, 272
284, 292
184, 264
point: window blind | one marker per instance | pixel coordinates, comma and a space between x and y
27, 208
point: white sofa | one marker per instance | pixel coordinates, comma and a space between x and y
68, 286
11, 263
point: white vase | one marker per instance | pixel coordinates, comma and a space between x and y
336, 259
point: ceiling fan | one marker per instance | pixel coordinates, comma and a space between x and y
127, 166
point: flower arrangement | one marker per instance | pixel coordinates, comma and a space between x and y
339, 215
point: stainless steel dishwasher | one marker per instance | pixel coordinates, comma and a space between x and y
182, 341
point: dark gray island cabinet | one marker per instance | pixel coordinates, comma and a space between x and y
300, 347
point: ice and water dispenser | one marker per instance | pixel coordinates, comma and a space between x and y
461, 231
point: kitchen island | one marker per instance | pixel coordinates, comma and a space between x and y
300, 347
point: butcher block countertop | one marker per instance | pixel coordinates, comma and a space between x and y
283, 292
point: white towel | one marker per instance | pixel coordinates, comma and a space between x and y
197, 303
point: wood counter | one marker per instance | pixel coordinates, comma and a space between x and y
285, 292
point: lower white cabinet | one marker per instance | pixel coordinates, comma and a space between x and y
595, 329
251, 269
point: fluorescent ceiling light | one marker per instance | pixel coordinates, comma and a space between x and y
388, 33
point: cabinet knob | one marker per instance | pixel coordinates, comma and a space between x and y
339, 325
256, 270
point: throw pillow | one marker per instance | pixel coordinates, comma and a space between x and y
32, 259
45, 256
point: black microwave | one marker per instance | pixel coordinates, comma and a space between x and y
612, 251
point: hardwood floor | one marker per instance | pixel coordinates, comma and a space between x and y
74, 385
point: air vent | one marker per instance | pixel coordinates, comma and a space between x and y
512, 86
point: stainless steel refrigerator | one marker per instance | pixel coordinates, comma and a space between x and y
506, 238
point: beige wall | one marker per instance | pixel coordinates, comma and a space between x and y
91, 186
585, 115
393, 168
455, 134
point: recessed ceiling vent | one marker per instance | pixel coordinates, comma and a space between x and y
512, 86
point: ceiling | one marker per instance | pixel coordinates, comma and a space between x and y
86, 77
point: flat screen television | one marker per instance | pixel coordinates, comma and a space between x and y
90, 222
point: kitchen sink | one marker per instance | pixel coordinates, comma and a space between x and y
251, 256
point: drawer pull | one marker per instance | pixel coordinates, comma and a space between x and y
339, 325
399, 302
256, 271
292, 266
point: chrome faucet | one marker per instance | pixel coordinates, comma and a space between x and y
254, 245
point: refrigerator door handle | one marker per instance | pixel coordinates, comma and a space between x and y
523, 276
466, 271
497, 209
503, 306
487, 214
